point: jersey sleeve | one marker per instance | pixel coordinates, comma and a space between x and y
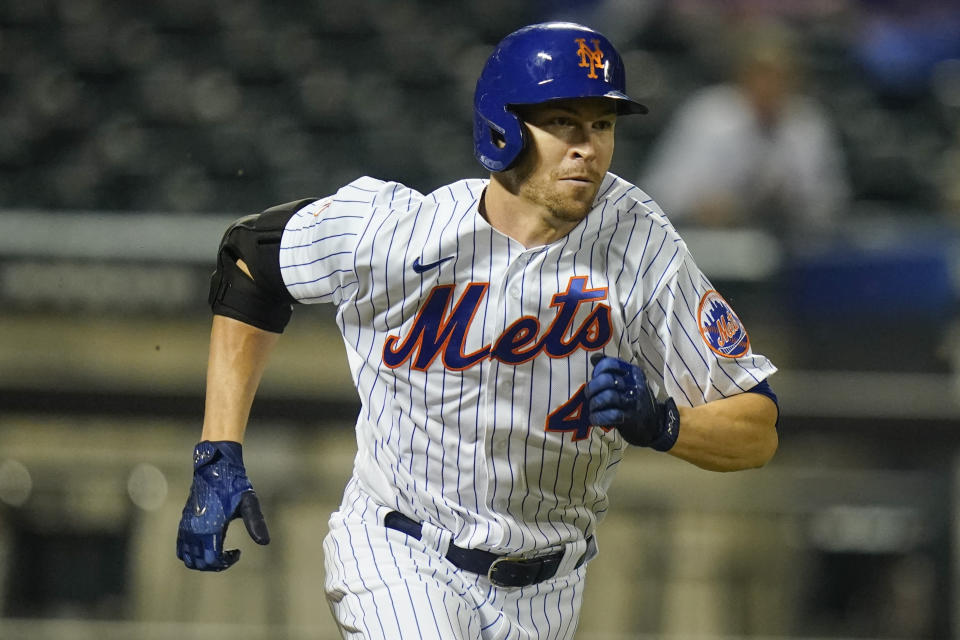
319, 244
693, 345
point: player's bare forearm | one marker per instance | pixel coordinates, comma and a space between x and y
731, 434
238, 356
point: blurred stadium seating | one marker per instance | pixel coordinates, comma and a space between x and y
217, 106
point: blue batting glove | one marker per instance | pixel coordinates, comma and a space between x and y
220, 493
618, 396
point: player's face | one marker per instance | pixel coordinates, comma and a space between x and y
570, 150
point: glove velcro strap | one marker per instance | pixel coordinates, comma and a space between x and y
670, 421
207, 452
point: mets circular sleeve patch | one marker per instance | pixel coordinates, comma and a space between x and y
720, 327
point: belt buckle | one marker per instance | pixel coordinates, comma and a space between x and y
493, 566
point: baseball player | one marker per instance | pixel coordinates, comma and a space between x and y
508, 339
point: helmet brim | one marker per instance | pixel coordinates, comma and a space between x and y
624, 104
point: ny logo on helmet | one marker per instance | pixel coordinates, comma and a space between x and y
592, 58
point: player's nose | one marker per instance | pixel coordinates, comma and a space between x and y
582, 146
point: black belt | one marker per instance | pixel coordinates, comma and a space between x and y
502, 571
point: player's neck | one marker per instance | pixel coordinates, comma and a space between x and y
530, 224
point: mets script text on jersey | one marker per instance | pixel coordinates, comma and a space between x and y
435, 331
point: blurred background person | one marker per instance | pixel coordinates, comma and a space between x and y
754, 150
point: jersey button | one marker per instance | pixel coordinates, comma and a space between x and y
515, 292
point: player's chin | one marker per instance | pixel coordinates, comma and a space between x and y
576, 198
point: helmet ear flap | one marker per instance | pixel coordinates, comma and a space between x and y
498, 138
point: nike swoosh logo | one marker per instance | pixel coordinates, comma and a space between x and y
420, 268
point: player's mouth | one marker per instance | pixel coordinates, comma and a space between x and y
578, 178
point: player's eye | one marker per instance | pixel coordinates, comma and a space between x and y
603, 125
561, 121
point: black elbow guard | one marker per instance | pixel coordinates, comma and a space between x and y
260, 299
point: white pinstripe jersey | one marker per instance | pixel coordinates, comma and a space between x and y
470, 352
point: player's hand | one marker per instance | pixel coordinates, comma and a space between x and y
618, 396
220, 493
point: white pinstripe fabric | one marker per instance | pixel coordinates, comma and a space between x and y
461, 441
468, 450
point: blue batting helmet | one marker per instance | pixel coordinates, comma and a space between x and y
541, 62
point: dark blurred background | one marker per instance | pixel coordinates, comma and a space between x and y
808, 151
